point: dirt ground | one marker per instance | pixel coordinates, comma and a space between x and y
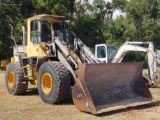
31, 107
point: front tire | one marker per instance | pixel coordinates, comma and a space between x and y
53, 82
14, 78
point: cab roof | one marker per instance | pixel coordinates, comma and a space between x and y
49, 18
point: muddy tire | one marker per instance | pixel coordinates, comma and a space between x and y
14, 78
53, 82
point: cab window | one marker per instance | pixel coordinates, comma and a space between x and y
101, 52
45, 31
34, 31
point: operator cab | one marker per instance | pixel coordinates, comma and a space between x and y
105, 52
44, 28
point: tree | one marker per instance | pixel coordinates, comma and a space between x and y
58, 7
12, 14
143, 15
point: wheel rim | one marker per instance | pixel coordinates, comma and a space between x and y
46, 83
11, 80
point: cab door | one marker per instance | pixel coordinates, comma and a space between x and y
33, 38
101, 53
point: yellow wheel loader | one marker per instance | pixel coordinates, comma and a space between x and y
54, 59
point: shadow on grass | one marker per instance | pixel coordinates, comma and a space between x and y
67, 102
31, 92
157, 86
132, 110
152, 107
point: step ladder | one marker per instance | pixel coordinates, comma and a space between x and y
26, 65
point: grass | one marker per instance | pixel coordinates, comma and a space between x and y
30, 106
2, 71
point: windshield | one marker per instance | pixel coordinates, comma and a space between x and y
45, 31
111, 52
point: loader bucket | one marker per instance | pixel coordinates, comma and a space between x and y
107, 87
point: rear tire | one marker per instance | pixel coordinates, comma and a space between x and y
53, 82
14, 78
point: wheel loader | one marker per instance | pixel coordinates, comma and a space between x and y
54, 59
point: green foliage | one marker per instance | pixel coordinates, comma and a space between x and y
93, 24
59, 7
144, 16
90, 32
136, 57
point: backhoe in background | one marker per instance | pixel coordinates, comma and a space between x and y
108, 53
54, 59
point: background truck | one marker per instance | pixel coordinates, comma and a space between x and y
47, 58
